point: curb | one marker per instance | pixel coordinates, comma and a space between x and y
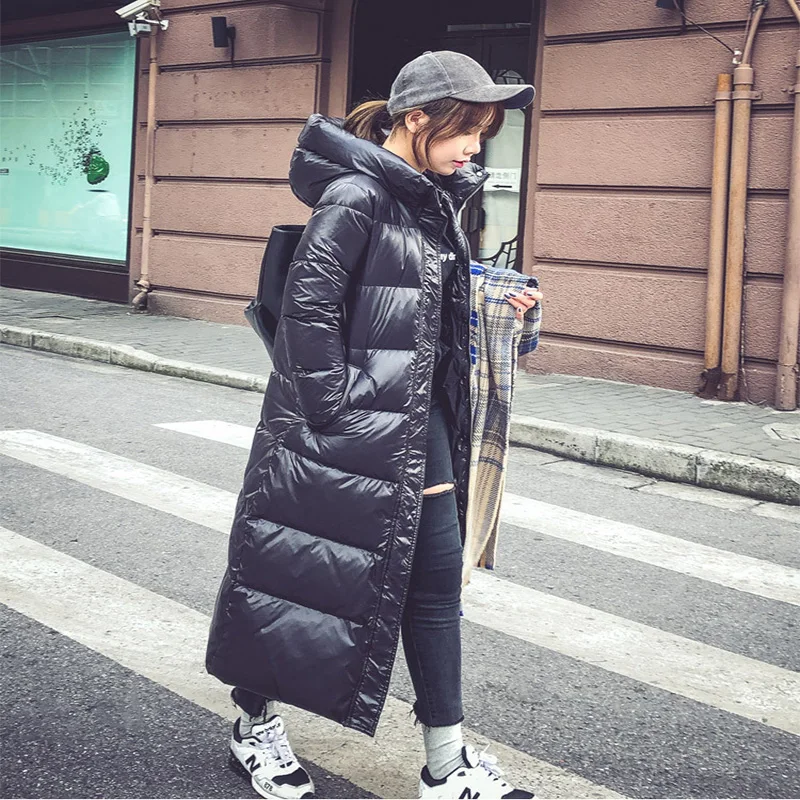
124, 355
711, 469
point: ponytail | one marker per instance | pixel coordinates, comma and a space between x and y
448, 117
370, 121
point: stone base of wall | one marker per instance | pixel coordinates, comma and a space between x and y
631, 365
213, 309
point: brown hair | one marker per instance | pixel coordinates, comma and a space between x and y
448, 118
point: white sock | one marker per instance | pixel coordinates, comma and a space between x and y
443, 746
246, 721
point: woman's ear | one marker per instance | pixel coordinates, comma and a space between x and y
416, 119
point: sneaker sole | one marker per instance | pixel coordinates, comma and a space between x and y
237, 766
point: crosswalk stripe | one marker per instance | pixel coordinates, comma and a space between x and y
710, 675
743, 573
164, 641
734, 571
752, 689
214, 430
165, 491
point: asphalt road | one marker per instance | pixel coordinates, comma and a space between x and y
630, 641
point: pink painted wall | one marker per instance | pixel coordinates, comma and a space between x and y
223, 143
618, 224
618, 196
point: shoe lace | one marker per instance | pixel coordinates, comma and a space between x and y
489, 762
278, 745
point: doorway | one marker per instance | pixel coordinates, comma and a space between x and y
501, 36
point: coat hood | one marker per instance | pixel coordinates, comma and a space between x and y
325, 151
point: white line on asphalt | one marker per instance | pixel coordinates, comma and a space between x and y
710, 675
595, 472
165, 641
744, 573
778, 511
120, 476
700, 494
734, 571
749, 689
215, 430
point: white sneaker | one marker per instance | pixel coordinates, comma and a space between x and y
481, 778
266, 755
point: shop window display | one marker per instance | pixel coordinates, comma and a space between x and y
66, 132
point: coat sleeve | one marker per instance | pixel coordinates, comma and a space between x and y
330, 249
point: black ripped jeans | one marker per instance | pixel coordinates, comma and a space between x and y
432, 617
431, 626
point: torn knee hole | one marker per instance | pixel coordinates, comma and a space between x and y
440, 488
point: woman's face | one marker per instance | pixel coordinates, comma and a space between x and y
448, 155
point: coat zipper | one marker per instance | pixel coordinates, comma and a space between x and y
425, 435
458, 214
424, 432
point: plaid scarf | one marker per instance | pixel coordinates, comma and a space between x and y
497, 339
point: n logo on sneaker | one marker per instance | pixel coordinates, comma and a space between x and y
251, 762
468, 793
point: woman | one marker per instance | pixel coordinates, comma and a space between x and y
349, 524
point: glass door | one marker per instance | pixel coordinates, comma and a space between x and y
491, 219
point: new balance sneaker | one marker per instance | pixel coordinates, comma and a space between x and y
480, 778
266, 755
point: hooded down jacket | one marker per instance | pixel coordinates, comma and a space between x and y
322, 542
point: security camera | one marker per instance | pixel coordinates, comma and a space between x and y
136, 14
137, 8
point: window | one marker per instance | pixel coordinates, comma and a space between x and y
501, 193
66, 117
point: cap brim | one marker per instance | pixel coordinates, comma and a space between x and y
510, 95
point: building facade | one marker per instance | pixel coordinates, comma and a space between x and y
602, 188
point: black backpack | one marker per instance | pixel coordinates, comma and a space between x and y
264, 310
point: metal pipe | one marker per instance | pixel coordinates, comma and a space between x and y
140, 301
743, 79
750, 38
737, 203
716, 248
787, 371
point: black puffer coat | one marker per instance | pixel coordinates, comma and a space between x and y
321, 548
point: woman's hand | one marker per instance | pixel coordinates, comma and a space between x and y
523, 301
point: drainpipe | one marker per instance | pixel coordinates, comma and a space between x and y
139, 302
786, 383
743, 96
716, 249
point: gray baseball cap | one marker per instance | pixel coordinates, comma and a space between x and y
445, 73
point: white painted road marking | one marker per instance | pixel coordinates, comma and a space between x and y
710, 675
165, 641
700, 494
778, 511
744, 573
123, 477
734, 571
214, 430
749, 687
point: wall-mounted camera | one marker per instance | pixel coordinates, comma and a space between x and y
136, 15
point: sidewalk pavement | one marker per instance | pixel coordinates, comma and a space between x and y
733, 447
